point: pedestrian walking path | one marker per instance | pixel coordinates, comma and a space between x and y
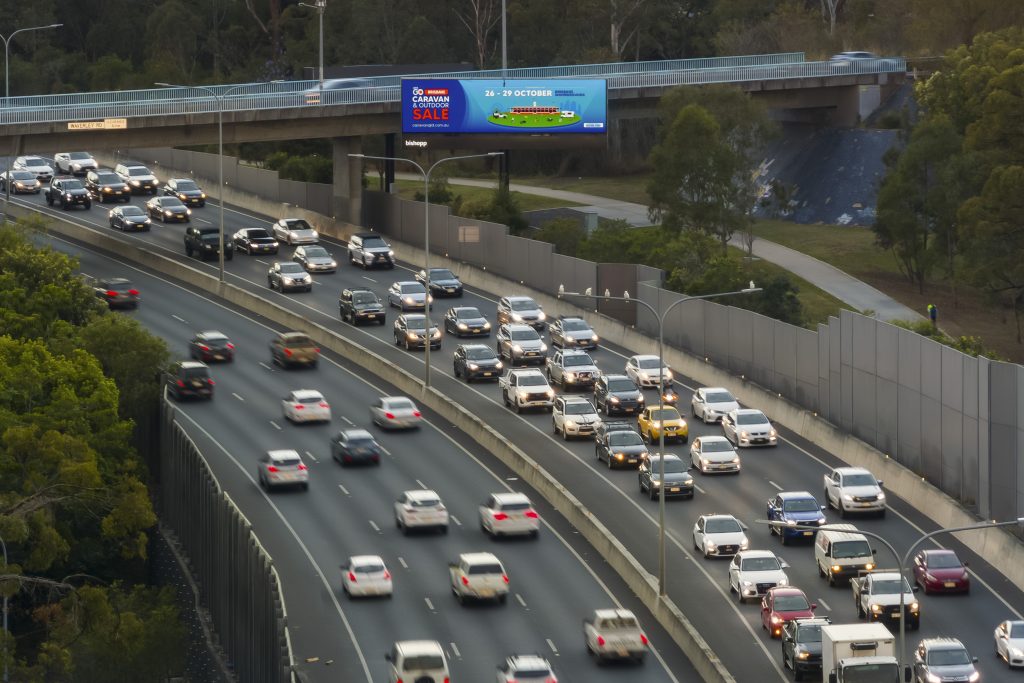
848, 289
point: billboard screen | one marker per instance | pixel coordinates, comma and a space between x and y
504, 107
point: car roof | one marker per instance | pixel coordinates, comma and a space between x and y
573, 352
473, 347
718, 515
357, 433
614, 614
306, 393
367, 234
518, 327
943, 643
208, 334
853, 470
712, 389
408, 282
786, 590
283, 454
566, 318
508, 498
711, 438
365, 559
479, 558
528, 662
389, 399
422, 494
520, 298
463, 308
750, 411
413, 647
669, 457
616, 376
116, 281
938, 551
526, 372
795, 495
192, 364
293, 335
644, 356
744, 554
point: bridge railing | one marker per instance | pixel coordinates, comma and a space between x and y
293, 94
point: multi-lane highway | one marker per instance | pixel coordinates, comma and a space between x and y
698, 586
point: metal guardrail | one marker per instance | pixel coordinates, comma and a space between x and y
385, 90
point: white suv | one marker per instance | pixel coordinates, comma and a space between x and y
509, 513
753, 572
417, 661
574, 416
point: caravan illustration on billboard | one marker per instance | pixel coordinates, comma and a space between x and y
534, 117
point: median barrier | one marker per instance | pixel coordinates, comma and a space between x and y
635, 576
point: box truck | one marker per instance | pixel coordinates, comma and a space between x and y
858, 653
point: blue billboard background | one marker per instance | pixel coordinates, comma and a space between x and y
495, 106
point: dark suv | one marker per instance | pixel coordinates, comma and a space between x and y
616, 394
359, 304
67, 192
205, 243
368, 249
189, 379
107, 185
801, 645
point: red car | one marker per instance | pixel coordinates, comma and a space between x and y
780, 605
941, 571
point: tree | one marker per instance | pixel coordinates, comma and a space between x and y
480, 18
565, 233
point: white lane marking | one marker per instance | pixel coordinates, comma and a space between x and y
824, 604
266, 366
84, 274
430, 605
386, 451
298, 540
401, 561
369, 278
421, 484
237, 396
347, 421
521, 601
777, 487
455, 519
259, 260
455, 649
179, 319
344, 490
552, 646
276, 426
373, 524
203, 220
697, 486
311, 456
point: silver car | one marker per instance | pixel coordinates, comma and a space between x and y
315, 259
408, 296
282, 468
295, 231
395, 412
711, 404
36, 165
520, 344
749, 427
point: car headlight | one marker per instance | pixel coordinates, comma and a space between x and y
463, 326
914, 606
974, 676
640, 399
783, 581
776, 619
711, 546
668, 374
869, 566
847, 496
735, 461
167, 212
876, 608
743, 435
517, 318
644, 375
595, 338
411, 335
182, 197
932, 678
287, 280
570, 377
202, 195
18, 183
473, 366
436, 334
822, 520
790, 522
334, 264
499, 366
836, 568
772, 432
408, 300
188, 212
744, 544
391, 253
487, 326
747, 584
803, 654
550, 392
542, 316
67, 195
570, 423
543, 347
614, 399
620, 456
147, 222
880, 496
1016, 652
517, 348
316, 235
134, 182
523, 394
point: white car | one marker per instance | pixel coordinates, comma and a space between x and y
417, 660
711, 454
719, 535
75, 163
505, 514
295, 231
420, 509
526, 668
42, 170
749, 427
395, 412
646, 371
306, 405
574, 416
753, 572
366, 575
1009, 637
854, 489
282, 468
711, 404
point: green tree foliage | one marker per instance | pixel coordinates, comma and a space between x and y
501, 208
972, 346
565, 233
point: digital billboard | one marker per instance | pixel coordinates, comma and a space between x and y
504, 107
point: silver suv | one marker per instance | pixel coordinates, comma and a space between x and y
138, 177
521, 344
368, 249
937, 660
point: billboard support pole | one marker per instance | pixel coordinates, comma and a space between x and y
503, 171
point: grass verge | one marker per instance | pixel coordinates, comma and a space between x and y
407, 189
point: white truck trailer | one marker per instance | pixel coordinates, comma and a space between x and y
858, 653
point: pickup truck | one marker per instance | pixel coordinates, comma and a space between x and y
478, 576
526, 389
569, 369
854, 489
876, 595
614, 634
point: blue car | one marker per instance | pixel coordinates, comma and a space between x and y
790, 508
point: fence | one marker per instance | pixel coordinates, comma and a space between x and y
237, 581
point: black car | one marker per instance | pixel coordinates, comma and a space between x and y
620, 447
186, 190
801, 645
466, 321
352, 446
189, 379
211, 346
443, 282
678, 482
410, 331
117, 292
477, 361
129, 217
67, 192
288, 275
617, 394
255, 241
359, 304
168, 209
107, 186
205, 243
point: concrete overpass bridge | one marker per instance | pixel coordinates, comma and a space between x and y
253, 112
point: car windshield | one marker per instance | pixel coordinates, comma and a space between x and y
194, 373
400, 404
297, 224
374, 243
485, 568
760, 564
522, 305
186, 186
948, 657
34, 161
791, 603
78, 156
364, 298
720, 397
625, 439
369, 568
672, 466
467, 313
574, 325
664, 414
361, 441
416, 322
425, 502
809, 634
441, 274
944, 561
751, 419
889, 587
72, 185
531, 673
107, 178
621, 385
715, 446
423, 662
619, 623
482, 353
577, 359
847, 549
1017, 630
532, 380
515, 507
310, 399
292, 268
859, 480
25, 175
212, 238
580, 408
800, 505
528, 334
286, 462
648, 364
138, 170
172, 203
722, 525
413, 288
316, 252
132, 210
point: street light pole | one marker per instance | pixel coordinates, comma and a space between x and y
320, 6
426, 236
504, 39
7, 97
661, 395
220, 153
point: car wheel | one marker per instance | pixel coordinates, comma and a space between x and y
828, 501
654, 494
797, 674
610, 466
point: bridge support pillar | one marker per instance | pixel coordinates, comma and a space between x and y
347, 194
389, 165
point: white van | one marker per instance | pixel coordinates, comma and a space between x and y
840, 552
422, 661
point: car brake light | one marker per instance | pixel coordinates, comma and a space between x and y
531, 514
271, 468
299, 406
600, 641
210, 381
133, 292
323, 404
500, 516
390, 416
465, 581
204, 347
302, 466
445, 680
505, 577
180, 383
643, 639
352, 577
316, 349
111, 292
230, 345
400, 680
416, 413
287, 352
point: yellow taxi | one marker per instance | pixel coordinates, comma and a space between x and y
654, 419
